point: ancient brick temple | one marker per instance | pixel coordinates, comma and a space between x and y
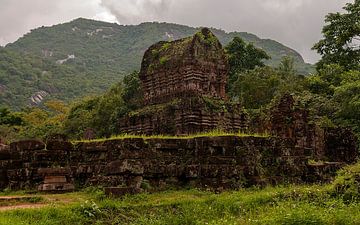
184, 82
187, 67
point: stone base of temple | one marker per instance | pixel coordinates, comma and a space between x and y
185, 116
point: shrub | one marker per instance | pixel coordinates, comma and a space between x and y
347, 183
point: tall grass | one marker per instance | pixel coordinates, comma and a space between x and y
213, 133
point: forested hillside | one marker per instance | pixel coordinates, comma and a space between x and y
84, 57
26, 80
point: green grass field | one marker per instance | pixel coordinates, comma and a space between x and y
272, 205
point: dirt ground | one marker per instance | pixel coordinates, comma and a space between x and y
27, 201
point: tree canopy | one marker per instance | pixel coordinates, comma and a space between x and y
341, 42
243, 57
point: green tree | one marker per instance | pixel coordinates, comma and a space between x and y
80, 117
287, 66
110, 108
325, 80
10, 118
40, 122
256, 88
101, 113
341, 42
132, 94
243, 57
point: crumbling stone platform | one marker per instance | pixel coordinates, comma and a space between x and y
224, 162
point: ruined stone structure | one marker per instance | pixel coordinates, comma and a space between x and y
123, 165
290, 120
184, 68
184, 93
183, 83
207, 162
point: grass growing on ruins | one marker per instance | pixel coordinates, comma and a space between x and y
213, 133
335, 203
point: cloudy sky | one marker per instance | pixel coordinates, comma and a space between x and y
295, 23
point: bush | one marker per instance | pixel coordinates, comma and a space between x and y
347, 183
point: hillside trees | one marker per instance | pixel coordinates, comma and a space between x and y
255, 88
10, 118
101, 113
103, 54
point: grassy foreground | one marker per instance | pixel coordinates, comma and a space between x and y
336, 203
272, 205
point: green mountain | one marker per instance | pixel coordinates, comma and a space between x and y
83, 57
26, 80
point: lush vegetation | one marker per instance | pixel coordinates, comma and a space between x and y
23, 75
336, 203
33, 122
243, 57
341, 40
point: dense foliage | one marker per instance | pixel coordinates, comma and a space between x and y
101, 113
335, 93
243, 57
341, 42
23, 75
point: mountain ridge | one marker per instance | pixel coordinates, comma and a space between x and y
98, 54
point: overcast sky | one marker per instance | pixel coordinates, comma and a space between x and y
295, 23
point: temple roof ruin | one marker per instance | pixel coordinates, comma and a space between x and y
190, 66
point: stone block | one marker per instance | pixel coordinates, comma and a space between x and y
27, 145
59, 145
53, 156
5, 154
56, 187
54, 179
124, 167
54, 171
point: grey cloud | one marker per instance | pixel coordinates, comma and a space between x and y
17, 17
136, 11
296, 23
